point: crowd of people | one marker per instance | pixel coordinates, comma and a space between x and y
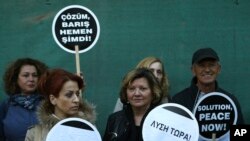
39, 97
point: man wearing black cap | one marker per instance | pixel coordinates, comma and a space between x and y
205, 69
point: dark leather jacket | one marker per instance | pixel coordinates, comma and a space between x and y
121, 127
188, 96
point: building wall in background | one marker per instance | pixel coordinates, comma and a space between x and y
130, 31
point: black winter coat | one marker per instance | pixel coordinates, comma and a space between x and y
188, 96
121, 126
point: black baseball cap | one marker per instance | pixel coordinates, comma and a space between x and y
204, 53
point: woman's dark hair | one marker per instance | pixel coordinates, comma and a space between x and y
141, 73
11, 74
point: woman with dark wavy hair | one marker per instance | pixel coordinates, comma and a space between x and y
18, 110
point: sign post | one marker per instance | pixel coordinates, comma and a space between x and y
78, 70
215, 112
76, 30
170, 122
73, 129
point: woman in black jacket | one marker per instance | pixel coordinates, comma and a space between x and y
140, 92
